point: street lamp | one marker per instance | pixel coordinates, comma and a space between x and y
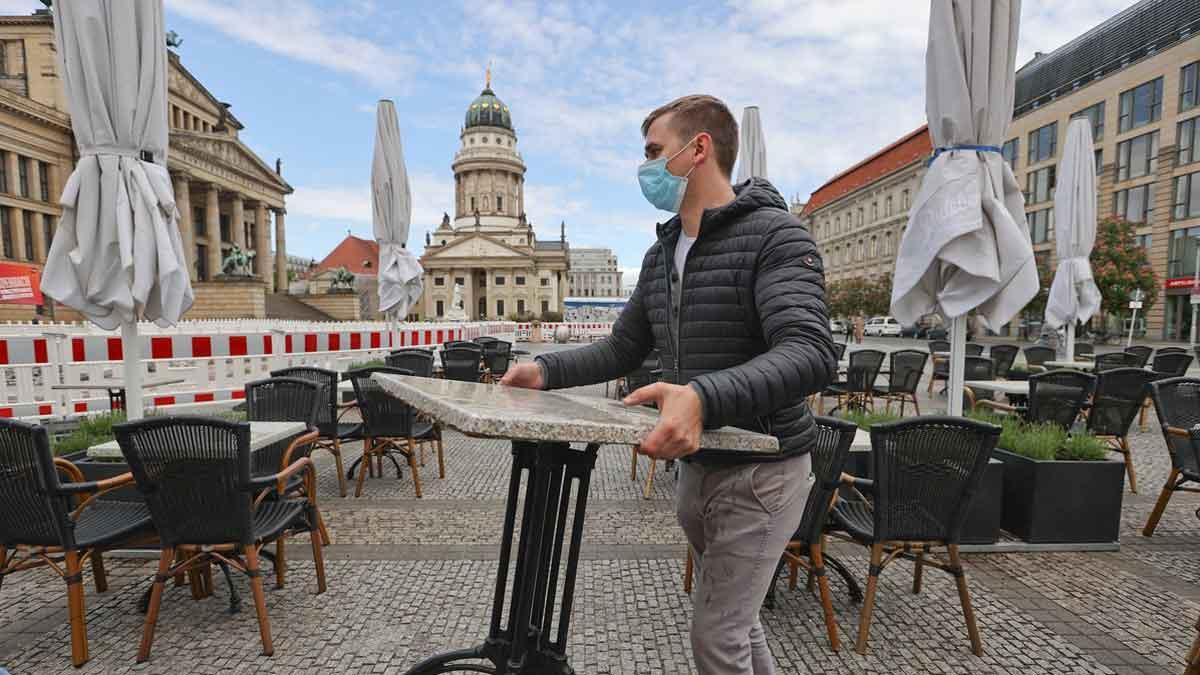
1135, 303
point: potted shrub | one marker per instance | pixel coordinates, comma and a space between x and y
1059, 487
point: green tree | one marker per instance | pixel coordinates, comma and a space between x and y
869, 296
1035, 310
1120, 266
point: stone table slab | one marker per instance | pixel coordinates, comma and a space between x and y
495, 411
1011, 387
262, 434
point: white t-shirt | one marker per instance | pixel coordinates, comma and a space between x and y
681, 250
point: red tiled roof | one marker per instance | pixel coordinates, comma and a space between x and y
909, 148
358, 255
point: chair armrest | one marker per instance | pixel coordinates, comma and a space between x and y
996, 405
94, 489
68, 467
309, 438
279, 480
1177, 431
864, 484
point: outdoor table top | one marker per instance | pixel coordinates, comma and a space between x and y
118, 384
262, 434
1073, 365
495, 411
1013, 387
861, 442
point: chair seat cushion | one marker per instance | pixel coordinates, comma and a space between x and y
273, 516
424, 431
854, 517
351, 431
109, 522
837, 389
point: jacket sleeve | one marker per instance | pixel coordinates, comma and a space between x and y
621, 352
789, 295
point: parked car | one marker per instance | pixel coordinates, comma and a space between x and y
882, 326
837, 326
914, 331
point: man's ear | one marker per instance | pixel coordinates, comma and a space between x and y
704, 148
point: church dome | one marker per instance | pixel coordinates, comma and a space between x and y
488, 111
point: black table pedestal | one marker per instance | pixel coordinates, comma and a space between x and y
527, 639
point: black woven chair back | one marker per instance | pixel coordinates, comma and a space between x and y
839, 348
1037, 355
829, 456
939, 346
1177, 404
30, 511
974, 349
1170, 350
1058, 396
195, 475
1118, 399
864, 370
1141, 355
418, 361
485, 339
462, 344
327, 414
426, 350
927, 470
497, 355
1003, 357
1084, 349
462, 364
1171, 364
284, 399
905, 369
1112, 361
383, 415
978, 368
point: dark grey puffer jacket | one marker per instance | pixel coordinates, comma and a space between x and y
752, 336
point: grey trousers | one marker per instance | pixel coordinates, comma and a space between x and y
738, 520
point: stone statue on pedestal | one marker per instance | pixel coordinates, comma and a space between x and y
456, 311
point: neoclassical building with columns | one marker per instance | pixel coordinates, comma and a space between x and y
225, 193
489, 249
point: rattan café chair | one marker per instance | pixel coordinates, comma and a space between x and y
333, 431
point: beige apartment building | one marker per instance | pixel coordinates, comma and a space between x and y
594, 273
1136, 77
225, 193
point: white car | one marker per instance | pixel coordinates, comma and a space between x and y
882, 326
837, 327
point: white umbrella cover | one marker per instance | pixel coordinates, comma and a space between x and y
967, 244
1074, 295
117, 251
753, 148
399, 272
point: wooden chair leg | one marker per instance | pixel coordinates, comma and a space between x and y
368, 445
441, 457
318, 558
97, 571
864, 619
687, 571
793, 573
156, 592
1142, 415
412, 464
74, 578
917, 571
341, 472
916, 406
633, 464
324, 531
1161, 504
260, 602
649, 479
280, 562
817, 567
1125, 450
180, 576
960, 579
421, 449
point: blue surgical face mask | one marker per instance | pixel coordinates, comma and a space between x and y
663, 189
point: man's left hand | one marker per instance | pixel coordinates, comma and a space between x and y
679, 420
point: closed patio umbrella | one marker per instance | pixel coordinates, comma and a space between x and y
391, 207
967, 246
117, 253
1073, 295
753, 148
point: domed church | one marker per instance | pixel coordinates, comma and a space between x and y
489, 248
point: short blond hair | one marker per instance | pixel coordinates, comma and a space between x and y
699, 113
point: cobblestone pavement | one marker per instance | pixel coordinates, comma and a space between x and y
411, 577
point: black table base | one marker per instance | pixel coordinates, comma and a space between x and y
526, 639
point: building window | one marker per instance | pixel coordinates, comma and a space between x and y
441, 309
545, 281
1095, 115
500, 203
1189, 86
223, 219
1134, 204
23, 175
1188, 140
3, 59
1138, 156
1099, 160
1140, 105
1042, 143
4, 171
483, 308
500, 309
28, 231
860, 214
887, 206
201, 261
48, 230
473, 209
1041, 225
520, 306
6, 232
44, 180
520, 281
1039, 185
486, 203
1009, 152
1187, 197
545, 306
198, 221
499, 281
904, 198
460, 281
1144, 240
439, 281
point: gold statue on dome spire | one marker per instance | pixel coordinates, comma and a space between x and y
488, 76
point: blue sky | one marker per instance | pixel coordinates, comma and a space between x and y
834, 79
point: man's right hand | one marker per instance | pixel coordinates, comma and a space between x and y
526, 375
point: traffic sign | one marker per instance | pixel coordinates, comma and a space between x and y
1137, 305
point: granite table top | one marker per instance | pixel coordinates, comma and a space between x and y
262, 434
495, 411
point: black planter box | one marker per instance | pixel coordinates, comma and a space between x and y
1057, 502
100, 470
983, 516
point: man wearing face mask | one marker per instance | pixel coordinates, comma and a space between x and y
732, 295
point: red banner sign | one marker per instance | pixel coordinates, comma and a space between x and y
20, 284
1179, 282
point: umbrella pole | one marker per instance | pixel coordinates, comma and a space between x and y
1071, 339
958, 348
131, 349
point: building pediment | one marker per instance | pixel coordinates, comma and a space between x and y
477, 246
183, 84
219, 153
